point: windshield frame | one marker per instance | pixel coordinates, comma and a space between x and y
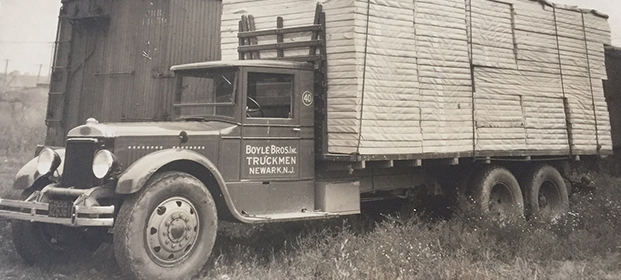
234, 100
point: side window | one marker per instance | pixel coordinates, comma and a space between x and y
202, 93
270, 95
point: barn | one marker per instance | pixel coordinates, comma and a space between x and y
112, 58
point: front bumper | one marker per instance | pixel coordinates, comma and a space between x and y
82, 213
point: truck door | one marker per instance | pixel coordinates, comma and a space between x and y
277, 164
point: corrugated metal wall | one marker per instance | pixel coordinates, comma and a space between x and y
113, 57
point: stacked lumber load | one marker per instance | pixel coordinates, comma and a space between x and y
538, 80
597, 32
518, 100
452, 77
547, 96
444, 74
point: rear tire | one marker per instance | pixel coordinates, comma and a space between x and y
167, 230
497, 193
545, 193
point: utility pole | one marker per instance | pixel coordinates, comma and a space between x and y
39, 75
6, 73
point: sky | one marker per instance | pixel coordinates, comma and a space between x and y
27, 34
28, 28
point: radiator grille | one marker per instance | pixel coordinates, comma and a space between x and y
78, 171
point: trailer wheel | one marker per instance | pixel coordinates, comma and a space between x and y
167, 230
545, 193
42, 243
497, 193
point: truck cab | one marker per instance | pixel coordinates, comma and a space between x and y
248, 125
267, 160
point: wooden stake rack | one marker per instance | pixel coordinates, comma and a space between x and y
249, 47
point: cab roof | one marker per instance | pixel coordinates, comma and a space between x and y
244, 63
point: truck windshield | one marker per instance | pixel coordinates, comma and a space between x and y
206, 93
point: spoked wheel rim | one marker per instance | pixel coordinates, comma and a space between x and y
549, 198
501, 201
172, 231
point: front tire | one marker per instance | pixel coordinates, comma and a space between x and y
167, 230
43, 244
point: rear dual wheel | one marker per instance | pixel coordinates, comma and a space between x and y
545, 193
167, 230
541, 193
497, 193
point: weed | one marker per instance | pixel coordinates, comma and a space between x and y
22, 125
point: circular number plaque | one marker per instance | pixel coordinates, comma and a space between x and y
307, 98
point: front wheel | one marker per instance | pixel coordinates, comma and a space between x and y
42, 243
167, 230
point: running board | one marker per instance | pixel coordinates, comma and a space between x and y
286, 217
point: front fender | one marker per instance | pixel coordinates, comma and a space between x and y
137, 175
28, 174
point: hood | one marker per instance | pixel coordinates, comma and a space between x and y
114, 130
131, 141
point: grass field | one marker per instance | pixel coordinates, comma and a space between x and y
399, 244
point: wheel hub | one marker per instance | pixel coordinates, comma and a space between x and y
172, 230
177, 230
549, 199
501, 201
543, 201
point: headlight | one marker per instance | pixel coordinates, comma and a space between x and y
103, 164
48, 161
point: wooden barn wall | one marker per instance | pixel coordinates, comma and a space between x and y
612, 90
118, 69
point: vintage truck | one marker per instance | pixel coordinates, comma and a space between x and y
488, 98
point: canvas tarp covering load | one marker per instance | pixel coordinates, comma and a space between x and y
452, 76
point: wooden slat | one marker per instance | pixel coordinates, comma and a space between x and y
288, 45
180, 105
280, 37
253, 40
299, 58
279, 31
